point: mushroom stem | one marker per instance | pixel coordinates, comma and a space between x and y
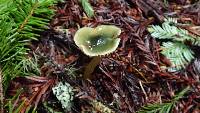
89, 69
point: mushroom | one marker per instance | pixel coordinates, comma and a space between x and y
98, 41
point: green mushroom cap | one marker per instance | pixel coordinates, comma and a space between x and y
97, 41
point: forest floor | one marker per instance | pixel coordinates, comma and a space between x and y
124, 81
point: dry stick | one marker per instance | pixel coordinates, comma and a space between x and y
1, 93
146, 97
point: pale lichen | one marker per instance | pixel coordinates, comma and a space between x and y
64, 93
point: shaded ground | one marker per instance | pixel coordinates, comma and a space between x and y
125, 80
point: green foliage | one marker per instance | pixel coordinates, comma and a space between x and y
10, 105
87, 8
15, 104
49, 109
175, 50
169, 30
99, 106
163, 107
157, 108
30, 65
20, 22
70, 71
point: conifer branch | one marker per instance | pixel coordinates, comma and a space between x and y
20, 22
164, 107
28, 17
175, 49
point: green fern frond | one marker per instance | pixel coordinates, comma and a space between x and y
195, 41
164, 32
178, 53
20, 22
163, 107
168, 31
171, 20
157, 108
181, 94
87, 8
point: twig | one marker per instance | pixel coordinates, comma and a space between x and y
1, 93
146, 97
